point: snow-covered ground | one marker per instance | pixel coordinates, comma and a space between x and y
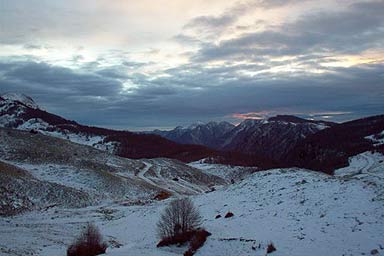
228, 172
302, 212
377, 139
43, 171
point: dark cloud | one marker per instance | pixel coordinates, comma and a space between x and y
53, 78
204, 95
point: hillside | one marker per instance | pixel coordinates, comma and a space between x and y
302, 212
273, 137
41, 171
330, 149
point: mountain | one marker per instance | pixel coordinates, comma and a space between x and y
20, 98
271, 138
20, 112
209, 134
330, 148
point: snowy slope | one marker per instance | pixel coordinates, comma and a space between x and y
377, 139
21, 98
95, 175
300, 211
20, 112
227, 172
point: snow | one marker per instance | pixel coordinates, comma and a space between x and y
11, 116
27, 101
377, 139
36, 124
302, 212
84, 139
226, 172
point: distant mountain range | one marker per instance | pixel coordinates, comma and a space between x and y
210, 134
273, 137
280, 141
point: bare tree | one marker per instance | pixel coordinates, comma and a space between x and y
179, 217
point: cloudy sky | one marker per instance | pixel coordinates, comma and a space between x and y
149, 64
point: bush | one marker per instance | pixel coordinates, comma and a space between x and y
162, 195
198, 240
89, 243
229, 215
179, 224
271, 248
180, 217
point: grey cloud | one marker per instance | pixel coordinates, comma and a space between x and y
181, 98
217, 24
53, 78
359, 28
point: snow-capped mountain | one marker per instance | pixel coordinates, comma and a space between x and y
209, 134
18, 111
272, 137
20, 98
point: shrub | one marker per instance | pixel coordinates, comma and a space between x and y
229, 215
198, 240
33, 131
271, 248
177, 239
180, 217
179, 224
162, 195
89, 243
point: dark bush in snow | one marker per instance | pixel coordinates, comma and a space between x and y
198, 240
162, 195
177, 239
89, 243
271, 248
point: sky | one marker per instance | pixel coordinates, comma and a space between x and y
142, 65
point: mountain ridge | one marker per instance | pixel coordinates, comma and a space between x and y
265, 137
16, 115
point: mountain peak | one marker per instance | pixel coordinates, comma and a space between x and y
196, 124
19, 97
